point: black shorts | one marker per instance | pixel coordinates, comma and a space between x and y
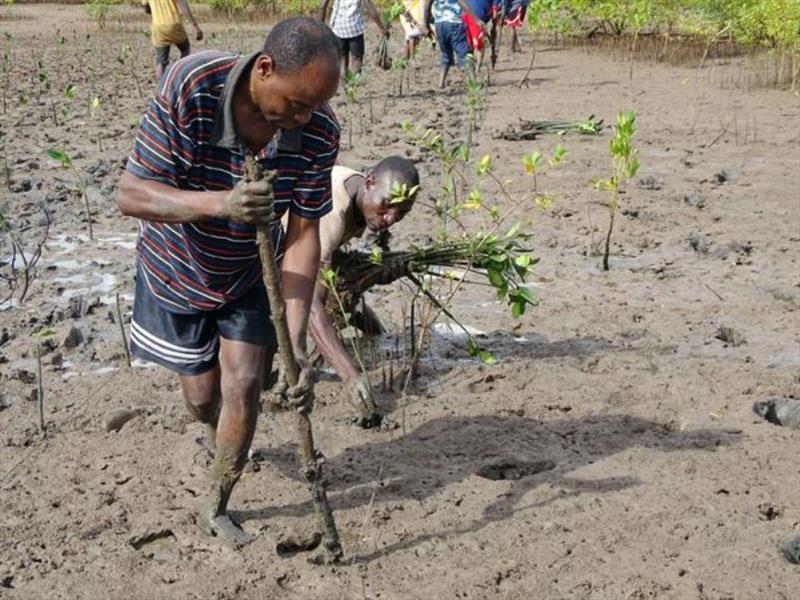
353, 46
188, 344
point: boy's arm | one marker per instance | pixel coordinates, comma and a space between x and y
373, 13
325, 336
323, 9
428, 16
186, 11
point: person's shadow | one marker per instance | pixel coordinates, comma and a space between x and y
450, 449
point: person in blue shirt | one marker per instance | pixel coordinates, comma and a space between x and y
451, 32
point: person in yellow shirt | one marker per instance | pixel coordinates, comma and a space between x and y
167, 29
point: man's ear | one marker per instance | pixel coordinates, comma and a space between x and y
265, 66
369, 181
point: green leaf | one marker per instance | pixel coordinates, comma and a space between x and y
484, 165
517, 309
513, 230
487, 357
474, 201
525, 295
559, 153
523, 260
531, 162
60, 156
495, 278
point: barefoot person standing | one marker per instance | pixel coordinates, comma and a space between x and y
166, 29
200, 307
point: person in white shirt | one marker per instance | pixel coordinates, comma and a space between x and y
348, 24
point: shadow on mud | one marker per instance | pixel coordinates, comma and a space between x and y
443, 451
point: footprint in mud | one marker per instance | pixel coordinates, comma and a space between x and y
160, 545
510, 469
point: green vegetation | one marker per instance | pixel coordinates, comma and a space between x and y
769, 23
625, 166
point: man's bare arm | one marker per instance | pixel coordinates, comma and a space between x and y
323, 10
298, 277
325, 336
186, 11
373, 14
248, 202
155, 201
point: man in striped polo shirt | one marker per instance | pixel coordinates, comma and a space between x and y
200, 307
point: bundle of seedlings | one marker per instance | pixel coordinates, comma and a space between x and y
530, 130
502, 260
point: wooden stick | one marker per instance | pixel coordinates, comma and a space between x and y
310, 458
122, 331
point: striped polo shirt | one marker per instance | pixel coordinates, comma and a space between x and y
187, 140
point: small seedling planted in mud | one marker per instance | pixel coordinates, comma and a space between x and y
95, 109
625, 166
6, 65
40, 335
82, 182
69, 99
352, 86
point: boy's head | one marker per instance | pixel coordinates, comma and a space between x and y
383, 204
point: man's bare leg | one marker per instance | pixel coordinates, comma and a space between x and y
202, 396
356, 65
241, 370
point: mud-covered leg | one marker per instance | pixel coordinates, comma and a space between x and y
241, 369
201, 394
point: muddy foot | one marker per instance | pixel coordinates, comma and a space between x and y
206, 445
780, 411
225, 528
791, 550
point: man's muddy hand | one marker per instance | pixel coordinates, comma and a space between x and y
249, 202
361, 397
301, 395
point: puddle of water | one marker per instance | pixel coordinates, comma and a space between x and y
454, 332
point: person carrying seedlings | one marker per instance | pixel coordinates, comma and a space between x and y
361, 202
451, 33
412, 20
348, 24
200, 306
166, 29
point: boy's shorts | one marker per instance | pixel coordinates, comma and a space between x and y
162, 52
353, 46
453, 44
188, 344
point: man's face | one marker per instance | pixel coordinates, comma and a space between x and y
379, 211
288, 100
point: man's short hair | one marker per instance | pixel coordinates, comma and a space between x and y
294, 43
396, 168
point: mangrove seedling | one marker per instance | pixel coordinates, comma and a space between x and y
625, 161
82, 182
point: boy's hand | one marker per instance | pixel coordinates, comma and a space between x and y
361, 397
198, 33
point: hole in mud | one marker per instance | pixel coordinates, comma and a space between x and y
293, 543
158, 545
513, 469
